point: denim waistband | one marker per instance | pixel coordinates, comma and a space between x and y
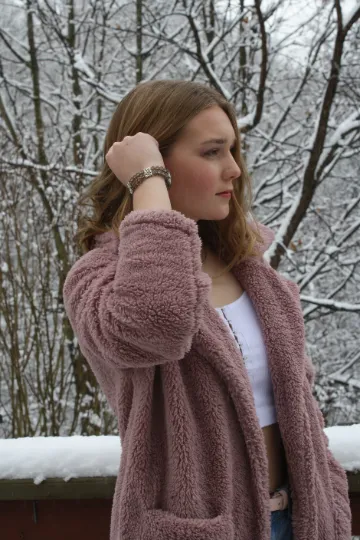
284, 487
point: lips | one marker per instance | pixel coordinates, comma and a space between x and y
222, 192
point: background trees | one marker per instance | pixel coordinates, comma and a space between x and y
293, 78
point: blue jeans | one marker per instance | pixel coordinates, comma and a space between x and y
281, 526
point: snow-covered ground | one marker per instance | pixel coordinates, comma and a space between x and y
39, 458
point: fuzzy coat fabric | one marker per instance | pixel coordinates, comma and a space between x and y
194, 463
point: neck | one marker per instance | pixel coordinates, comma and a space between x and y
203, 254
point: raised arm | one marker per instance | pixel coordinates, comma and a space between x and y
144, 294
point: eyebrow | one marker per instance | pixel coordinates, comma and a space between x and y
217, 141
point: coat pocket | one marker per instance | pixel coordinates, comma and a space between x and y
163, 525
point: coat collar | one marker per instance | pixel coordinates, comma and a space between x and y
267, 235
109, 237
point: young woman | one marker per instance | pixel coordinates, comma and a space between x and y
197, 343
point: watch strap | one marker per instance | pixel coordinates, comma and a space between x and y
138, 178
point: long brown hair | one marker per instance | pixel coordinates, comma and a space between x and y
162, 108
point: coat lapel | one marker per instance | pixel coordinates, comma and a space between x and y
281, 321
277, 303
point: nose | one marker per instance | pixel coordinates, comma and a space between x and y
233, 171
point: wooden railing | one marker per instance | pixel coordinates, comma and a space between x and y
80, 508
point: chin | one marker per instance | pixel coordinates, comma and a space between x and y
213, 216
201, 214
221, 218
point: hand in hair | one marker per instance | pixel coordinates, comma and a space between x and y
133, 154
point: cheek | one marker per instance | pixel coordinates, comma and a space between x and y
191, 177
203, 184
201, 177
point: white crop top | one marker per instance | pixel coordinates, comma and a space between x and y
247, 332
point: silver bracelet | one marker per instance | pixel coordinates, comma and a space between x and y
138, 178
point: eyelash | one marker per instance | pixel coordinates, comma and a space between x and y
210, 152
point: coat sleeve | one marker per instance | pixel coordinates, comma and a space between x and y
337, 473
139, 301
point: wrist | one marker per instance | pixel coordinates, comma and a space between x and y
152, 194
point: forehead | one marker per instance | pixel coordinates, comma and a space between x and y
210, 123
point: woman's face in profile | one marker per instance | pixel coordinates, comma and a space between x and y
200, 169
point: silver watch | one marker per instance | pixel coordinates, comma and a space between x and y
138, 178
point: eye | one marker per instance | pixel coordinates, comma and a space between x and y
215, 151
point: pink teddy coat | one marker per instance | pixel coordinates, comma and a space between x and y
193, 463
